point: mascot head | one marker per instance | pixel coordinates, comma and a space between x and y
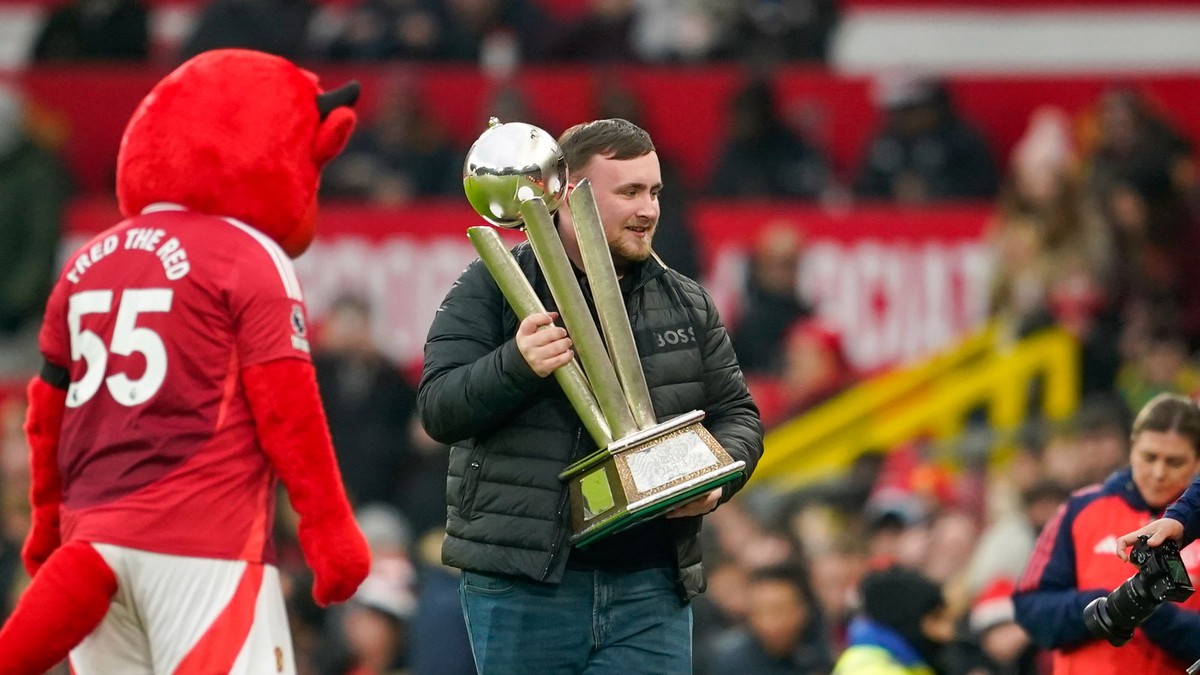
236, 133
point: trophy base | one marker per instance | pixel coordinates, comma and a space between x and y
644, 475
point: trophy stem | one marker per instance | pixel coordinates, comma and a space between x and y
610, 306
589, 347
524, 301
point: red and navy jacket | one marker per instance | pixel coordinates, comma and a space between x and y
1187, 511
1075, 562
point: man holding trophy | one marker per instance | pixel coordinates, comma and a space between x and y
573, 510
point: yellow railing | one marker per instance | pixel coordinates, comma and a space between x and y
931, 400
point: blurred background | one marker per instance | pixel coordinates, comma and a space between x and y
950, 239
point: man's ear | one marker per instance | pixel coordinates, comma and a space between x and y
332, 135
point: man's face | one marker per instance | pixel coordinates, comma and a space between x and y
778, 615
626, 193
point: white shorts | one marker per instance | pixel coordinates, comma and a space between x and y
188, 616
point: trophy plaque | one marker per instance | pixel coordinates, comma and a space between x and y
515, 177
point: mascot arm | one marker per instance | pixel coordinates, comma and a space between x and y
295, 438
47, 400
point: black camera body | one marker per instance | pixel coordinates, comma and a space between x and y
1161, 576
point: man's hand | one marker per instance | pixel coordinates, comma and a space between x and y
1158, 531
544, 345
698, 506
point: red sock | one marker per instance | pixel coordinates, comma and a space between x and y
65, 602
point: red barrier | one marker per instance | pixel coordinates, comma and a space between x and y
685, 109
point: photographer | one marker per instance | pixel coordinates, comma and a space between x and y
1073, 562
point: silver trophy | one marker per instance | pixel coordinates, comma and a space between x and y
515, 176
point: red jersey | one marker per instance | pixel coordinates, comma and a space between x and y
154, 319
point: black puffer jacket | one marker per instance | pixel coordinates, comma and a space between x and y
513, 432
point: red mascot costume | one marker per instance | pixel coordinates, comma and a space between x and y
178, 387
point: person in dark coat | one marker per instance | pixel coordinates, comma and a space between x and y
785, 633
534, 603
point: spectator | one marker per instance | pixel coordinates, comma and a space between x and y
995, 644
1142, 275
378, 30
903, 628
484, 31
1020, 284
676, 31
368, 403
1135, 146
1161, 366
95, 30
925, 152
1141, 174
1043, 188
1006, 544
369, 634
777, 30
721, 609
507, 102
675, 241
600, 34
772, 304
1009, 481
401, 154
33, 194
1074, 561
763, 157
1101, 425
815, 366
785, 634
279, 27
835, 575
953, 534
1091, 446
896, 525
1041, 219
1079, 303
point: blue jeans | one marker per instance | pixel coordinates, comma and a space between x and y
593, 623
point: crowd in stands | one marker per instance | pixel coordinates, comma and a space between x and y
1096, 217
476, 31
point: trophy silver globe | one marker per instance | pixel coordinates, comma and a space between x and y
511, 163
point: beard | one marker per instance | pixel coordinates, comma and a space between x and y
629, 250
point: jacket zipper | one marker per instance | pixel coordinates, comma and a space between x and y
562, 503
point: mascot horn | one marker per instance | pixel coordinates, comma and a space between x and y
178, 388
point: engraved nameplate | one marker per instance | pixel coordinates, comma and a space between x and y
672, 459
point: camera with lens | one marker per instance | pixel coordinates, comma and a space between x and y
1160, 576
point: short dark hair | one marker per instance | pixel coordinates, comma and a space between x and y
1046, 489
789, 573
613, 138
1170, 413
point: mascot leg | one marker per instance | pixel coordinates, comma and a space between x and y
63, 604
